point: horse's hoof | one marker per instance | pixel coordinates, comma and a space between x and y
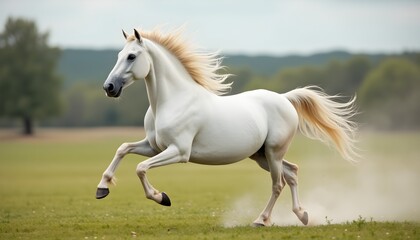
101, 193
258, 225
305, 218
165, 200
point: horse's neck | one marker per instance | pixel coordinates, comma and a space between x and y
168, 80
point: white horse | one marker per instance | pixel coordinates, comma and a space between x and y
189, 121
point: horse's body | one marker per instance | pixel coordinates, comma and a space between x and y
235, 126
188, 121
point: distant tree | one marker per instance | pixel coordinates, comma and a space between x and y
337, 77
240, 78
390, 94
291, 78
345, 78
29, 85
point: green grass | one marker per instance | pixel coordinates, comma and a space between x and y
47, 188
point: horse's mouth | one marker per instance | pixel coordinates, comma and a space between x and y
114, 94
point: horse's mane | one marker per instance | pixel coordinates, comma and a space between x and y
202, 66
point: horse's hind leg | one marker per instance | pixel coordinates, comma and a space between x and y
275, 165
290, 175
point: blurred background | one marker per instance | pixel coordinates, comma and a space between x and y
55, 55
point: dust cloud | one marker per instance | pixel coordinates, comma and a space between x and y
372, 192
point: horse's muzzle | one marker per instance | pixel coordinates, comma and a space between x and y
112, 90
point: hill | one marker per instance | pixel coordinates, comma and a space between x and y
269, 65
78, 65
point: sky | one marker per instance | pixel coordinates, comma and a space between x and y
253, 27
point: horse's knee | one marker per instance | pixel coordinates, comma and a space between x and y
122, 150
141, 169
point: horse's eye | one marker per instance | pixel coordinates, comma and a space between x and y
131, 57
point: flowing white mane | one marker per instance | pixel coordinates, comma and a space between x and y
202, 66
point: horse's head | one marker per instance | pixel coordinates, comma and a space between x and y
133, 63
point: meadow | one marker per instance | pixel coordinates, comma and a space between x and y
48, 184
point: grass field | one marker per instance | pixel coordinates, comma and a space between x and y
48, 184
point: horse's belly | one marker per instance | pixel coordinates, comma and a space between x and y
227, 154
230, 141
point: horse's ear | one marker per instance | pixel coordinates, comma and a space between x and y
124, 33
137, 34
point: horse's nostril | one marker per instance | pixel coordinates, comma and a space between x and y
109, 87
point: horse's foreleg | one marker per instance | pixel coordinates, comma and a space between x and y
290, 175
169, 156
141, 148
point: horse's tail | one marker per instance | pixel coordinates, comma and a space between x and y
322, 118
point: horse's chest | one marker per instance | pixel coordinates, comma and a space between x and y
172, 130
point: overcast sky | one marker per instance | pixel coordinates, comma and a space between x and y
275, 27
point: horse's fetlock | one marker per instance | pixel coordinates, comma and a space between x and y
107, 176
296, 210
149, 195
265, 217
